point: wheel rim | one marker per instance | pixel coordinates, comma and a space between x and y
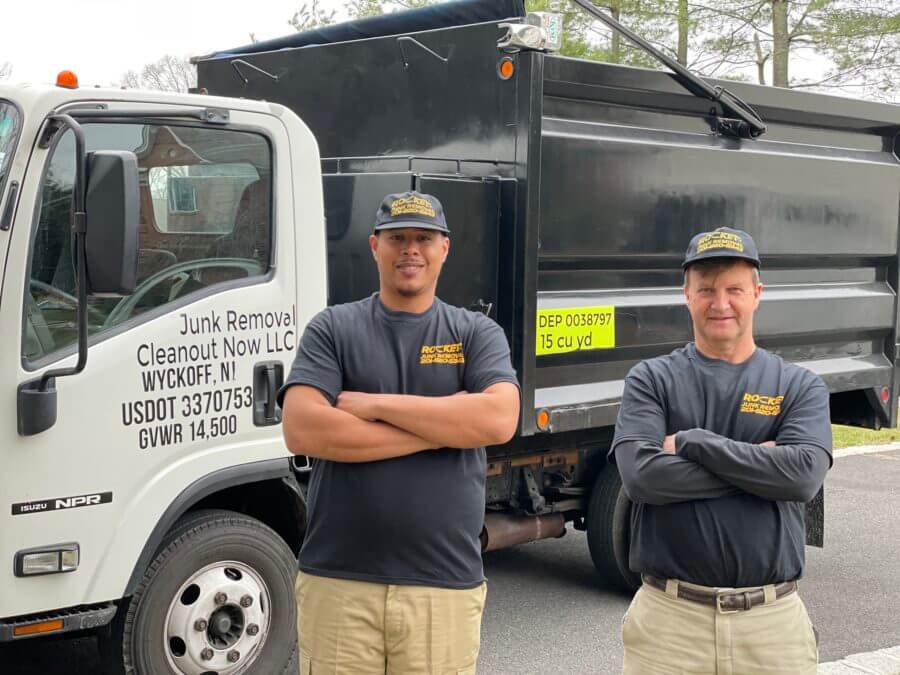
217, 621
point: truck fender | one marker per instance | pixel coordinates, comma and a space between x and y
217, 481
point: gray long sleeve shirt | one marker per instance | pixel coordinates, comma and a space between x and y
725, 510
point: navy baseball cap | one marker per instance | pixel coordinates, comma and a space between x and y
723, 242
411, 209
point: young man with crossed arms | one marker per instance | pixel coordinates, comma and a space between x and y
395, 397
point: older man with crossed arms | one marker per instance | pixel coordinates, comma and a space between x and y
719, 445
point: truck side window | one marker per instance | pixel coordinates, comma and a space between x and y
9, 133
205, 219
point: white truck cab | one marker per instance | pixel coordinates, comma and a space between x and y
204, 244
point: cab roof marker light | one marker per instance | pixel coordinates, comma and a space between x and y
67, 79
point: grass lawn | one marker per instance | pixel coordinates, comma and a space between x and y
845, 437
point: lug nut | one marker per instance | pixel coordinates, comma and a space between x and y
246, 601
252, 629
200, 624
220, 598
233, 656
206, 654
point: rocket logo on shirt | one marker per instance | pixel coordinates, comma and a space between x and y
450, 354
760, 404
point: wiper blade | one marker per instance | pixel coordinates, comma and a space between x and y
748, 124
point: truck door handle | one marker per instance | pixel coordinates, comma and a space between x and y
267, 380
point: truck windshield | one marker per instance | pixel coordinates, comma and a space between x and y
9, 132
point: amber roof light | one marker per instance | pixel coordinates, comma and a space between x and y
67, 79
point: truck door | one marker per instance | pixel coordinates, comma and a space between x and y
168, 393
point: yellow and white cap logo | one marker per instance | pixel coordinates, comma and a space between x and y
411, 209
412, 205
723, 242
727, 240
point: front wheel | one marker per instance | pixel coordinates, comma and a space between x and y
609, 529
218, 598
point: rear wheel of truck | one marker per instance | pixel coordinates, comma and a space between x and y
218, 598
608, 530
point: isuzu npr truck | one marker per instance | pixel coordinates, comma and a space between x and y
161, 253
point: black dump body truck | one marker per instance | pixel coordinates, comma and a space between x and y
572, 189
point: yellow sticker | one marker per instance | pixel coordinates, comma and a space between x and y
573, 329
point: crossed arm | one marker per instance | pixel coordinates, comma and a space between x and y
698, 464
368, 427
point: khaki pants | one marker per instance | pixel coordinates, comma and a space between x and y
664, 636
368, 628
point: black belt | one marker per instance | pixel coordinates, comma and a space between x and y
724, 600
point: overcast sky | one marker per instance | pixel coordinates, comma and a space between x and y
101, 39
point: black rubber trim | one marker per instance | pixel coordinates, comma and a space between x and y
193, 493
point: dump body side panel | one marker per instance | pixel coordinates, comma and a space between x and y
624, 187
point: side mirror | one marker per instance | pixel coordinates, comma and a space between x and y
112, 207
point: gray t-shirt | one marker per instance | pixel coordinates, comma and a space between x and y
725, 510
413, 519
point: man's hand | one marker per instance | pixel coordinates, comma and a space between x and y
358, 404
768, 444
669, 445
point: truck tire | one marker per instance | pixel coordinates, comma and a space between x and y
608, 529
218, 597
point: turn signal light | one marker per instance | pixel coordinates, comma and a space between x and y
506, 68
67, 79
543, 420
40, 627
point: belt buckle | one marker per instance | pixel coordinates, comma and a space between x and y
719, 608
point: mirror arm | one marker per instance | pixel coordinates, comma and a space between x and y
79, 229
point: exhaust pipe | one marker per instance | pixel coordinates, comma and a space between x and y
502, 530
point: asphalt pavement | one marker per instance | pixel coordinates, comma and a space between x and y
547, 614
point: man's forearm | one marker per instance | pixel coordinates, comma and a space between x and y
779, 473
465, 421
328, 433
651, 476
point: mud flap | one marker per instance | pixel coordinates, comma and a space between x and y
815, 520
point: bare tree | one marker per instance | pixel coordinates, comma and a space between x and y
761, 58
311, 16
170, 73
5, 70
130, 80
363, 8
860, 39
